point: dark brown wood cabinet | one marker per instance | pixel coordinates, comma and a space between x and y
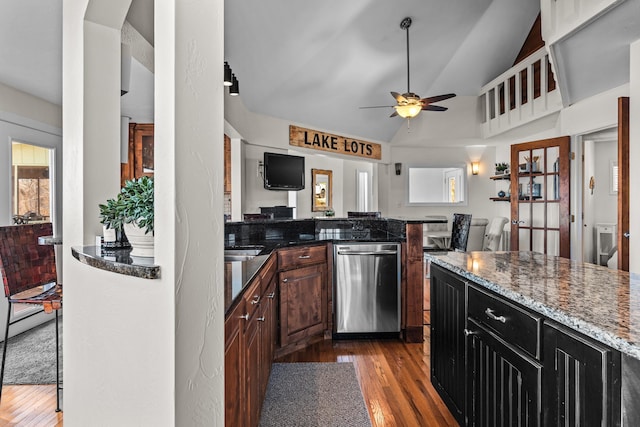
412, 284
141, 158
234, 353
303, 290
250, 337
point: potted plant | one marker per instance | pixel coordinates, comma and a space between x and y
501, 168
136, 204
112, 224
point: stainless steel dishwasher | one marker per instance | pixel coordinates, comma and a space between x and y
366, 288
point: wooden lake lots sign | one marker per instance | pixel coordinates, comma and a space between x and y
316, 140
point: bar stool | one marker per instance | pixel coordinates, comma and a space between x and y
29, 275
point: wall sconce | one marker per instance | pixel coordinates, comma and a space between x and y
475, 168
398, 168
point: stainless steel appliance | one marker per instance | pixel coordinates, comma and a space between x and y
367, 288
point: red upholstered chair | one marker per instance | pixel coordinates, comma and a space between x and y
29, 275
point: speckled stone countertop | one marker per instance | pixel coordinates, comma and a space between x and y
601, 303
117, 261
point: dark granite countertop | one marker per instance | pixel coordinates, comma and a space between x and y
117, 261
601, 303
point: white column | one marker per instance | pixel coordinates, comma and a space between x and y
634, 157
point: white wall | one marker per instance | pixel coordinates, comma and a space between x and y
262, 133
634, 158
480, 187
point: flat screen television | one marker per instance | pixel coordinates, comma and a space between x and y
283, 172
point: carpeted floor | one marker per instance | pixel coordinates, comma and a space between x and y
31, 356
314, 394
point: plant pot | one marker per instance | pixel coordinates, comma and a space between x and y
141, 243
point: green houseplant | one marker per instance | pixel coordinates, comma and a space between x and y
135, 204
501, 168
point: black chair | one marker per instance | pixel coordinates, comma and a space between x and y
460, 232
28, 272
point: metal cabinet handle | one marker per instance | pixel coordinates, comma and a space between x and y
244, 316
271, 295
304, 257
489, 313
467, 332
260, 319
256, 299
285, 280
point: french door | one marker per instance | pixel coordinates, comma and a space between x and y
540, 216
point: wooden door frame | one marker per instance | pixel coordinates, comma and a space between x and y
564, 144
623, 183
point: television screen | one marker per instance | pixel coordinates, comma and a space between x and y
283, 172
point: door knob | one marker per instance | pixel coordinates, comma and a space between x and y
626, 235
515, 221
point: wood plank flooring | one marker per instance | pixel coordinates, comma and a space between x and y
394, 377
29, 406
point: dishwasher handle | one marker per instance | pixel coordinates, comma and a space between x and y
387, 252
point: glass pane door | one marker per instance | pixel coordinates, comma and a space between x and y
540, 196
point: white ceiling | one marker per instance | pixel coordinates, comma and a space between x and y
316, 63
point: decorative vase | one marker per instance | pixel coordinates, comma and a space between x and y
141, 242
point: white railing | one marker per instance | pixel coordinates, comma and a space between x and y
562, 17
525, 92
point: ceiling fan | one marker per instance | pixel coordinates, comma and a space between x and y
410, 104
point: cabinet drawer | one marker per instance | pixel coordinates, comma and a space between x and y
515, 325
252, 296
297, 257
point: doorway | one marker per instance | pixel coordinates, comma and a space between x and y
599, 194
31, 189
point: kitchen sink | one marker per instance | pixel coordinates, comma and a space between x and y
242, 253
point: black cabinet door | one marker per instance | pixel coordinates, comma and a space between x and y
504, 385
447, 339
582, 380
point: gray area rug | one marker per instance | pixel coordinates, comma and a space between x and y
314, 394
31, 355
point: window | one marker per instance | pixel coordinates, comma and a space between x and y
437, 185
30, 183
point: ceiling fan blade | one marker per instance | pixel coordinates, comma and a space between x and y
378, 106
395, 113
437, 98
434, 108
398, 97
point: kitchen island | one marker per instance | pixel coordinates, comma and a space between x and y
568, 331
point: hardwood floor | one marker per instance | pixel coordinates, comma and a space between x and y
394, 377
29, 405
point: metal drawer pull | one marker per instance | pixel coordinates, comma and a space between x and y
271, 295
467, 332
245, 316
260, 319
256, 299
489, 313
285, 280
304, 257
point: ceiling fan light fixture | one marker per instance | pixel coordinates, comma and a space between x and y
408, 111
